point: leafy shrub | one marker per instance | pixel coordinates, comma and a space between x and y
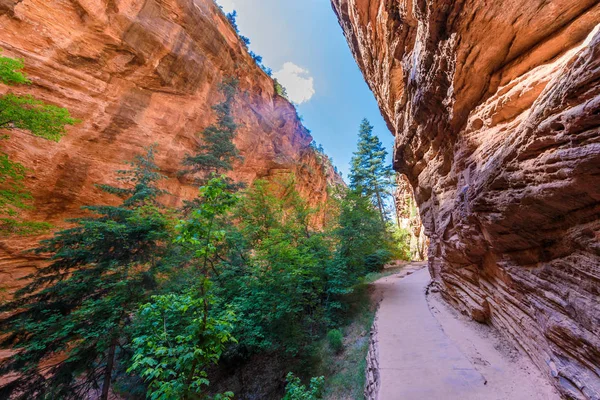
376, 261
176, 342
336, 340
295, 390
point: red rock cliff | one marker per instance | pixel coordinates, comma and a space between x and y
495, 106
137, 73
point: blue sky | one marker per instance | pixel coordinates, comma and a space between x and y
304, 45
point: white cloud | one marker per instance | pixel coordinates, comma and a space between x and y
228, 5
297, 82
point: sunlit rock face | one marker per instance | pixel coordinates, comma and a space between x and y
137, 73
495, 106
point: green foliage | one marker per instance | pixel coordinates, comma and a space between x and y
10, 71
360, 235
136, 288
345, 372
401, 240
361, 231
176, 340
176, 336
77, 307
295, 390
336, 340
277, 286
14, 197
43, 120
369, 174
203, 233
376, 261
279, 89
217, 152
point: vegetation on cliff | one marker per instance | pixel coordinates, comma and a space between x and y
40, 119
144, 298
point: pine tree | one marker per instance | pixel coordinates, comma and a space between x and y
369, 174
217, 152
40, 119
67, 323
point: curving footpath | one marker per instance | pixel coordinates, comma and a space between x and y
444, 356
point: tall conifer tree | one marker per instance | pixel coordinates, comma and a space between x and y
217, 152
370, 174
66, 324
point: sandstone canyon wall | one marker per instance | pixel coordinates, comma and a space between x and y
495, 106
138, 72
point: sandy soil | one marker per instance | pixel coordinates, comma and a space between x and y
427, 350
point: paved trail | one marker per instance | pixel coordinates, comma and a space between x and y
427, 351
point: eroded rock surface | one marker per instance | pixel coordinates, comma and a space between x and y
136, 73
495, 106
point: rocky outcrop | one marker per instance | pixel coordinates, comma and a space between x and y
495, 106
137, 73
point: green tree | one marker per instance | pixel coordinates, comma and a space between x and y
176, 340
276, 286
177, 335
217, 152
67, 323
203, 233
42, 120
369, 173
362, 246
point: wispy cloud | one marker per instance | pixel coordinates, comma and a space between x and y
228, 5
297, 81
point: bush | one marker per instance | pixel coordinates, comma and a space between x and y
376, 261
295, 390
336, 340
279, 89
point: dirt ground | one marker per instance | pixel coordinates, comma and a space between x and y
427, 350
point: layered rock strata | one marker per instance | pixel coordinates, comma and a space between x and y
495, 106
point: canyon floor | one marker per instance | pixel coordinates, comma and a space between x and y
427, 350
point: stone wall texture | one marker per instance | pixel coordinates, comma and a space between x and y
139, 72
495, 106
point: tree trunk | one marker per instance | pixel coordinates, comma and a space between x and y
379, 204
396, 211
110, 360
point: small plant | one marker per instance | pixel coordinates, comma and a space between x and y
336, 340
295, 390
279, 89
